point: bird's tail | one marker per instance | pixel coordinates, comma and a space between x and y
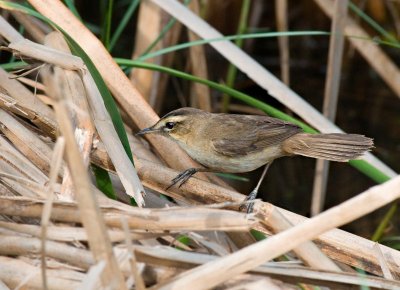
334, 147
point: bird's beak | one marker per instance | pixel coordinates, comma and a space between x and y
146, 131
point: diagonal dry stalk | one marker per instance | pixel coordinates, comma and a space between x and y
246, 259
353, 249
22, 102
158, 222
262, 76
121, 87
372, 53
284, 271
104, 126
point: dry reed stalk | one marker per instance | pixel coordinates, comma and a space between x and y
331, 96
156, 178
33, 26
92, 277
149, 25
56, 163
91, 216
74, 91
46, 54
354, 250
128, 97
72, 233
18, 185
21, 275
260, 75
138, 146
165, 256
9, 32
105, 128
308, 251
244, 260
3, 286
201, 93
372, 53
29, 82
139, 283
172, 219
258, 284
209, 245
21, 163
395, 14
25, 103
102, 120
26, 141
382, 261
23, 246
281, 7
170, 38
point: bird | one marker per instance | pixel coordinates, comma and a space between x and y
236, 143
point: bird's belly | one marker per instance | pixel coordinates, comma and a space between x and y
237, 164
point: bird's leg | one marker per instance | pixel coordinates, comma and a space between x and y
185, 175
253, 194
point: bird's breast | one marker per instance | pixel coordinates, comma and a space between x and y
208, 157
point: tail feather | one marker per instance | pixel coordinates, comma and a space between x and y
334, 147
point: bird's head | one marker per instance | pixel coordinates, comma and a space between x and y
176, 124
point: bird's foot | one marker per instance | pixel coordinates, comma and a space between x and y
249, 202
182, 177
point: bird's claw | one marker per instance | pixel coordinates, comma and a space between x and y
182, 177
248, 204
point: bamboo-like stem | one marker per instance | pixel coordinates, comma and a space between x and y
202, 97
372, 53
232, 69
281, 7
330, 98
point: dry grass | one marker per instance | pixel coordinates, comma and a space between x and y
58, 231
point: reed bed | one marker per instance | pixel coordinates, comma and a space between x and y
59, 231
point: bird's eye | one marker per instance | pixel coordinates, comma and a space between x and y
169, 125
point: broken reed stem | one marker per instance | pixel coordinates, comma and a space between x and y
246, 259
56, 163
91, 216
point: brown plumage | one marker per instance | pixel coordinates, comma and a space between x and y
334, 147
242, 143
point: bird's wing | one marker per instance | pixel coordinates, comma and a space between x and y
248, 134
